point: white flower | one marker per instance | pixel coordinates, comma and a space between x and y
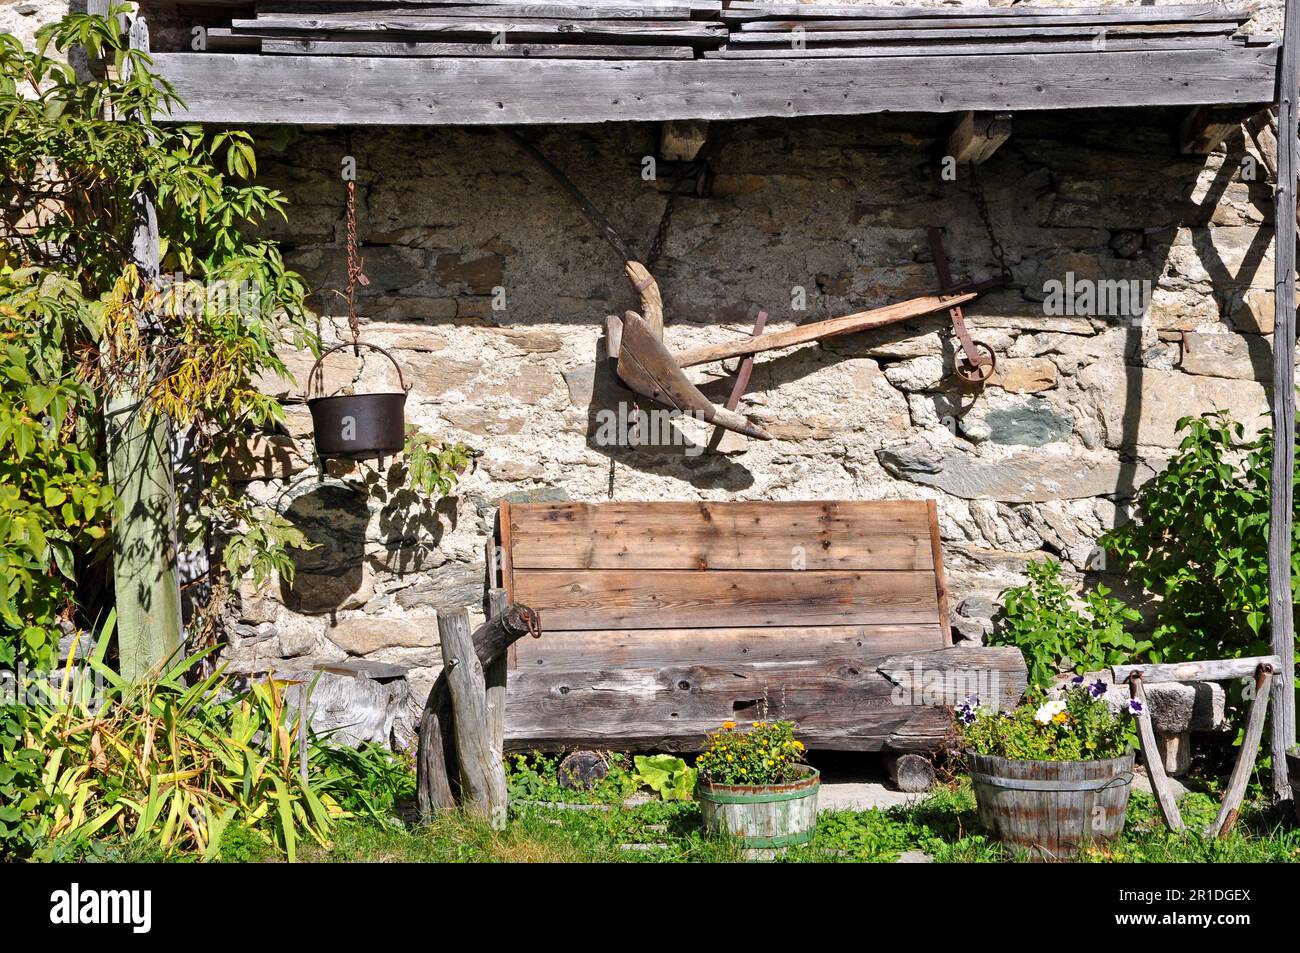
1049, 711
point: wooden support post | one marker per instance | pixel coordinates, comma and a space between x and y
976, 136
1281, 617
483, 777
1241, 771
438, 760
140, 471
680, 140
1205, 127
495, 674
1151, 755
910, 772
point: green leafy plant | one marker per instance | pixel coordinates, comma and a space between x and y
1058, 633
1199, 545
432, 466
667, 775
767, 753
1072, 723
171, 764
536, 777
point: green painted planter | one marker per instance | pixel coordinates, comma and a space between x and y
762, 816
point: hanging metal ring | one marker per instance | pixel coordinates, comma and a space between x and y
977, 374
311, 377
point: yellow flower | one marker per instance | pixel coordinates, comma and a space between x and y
798, 746
1061, 718
730, 758
728, 725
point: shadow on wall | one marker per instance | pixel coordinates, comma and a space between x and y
351, 541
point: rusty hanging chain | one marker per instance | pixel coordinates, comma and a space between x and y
700, 171
982, 208
661, 233
355, 262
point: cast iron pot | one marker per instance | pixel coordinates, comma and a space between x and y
358, 426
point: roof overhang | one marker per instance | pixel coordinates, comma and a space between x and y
234, 88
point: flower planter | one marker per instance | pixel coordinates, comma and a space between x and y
763, 816
1051, 807
358, 426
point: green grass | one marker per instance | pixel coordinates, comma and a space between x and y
945, 826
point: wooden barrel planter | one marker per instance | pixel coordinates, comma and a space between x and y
762, 816
1051, 807
358, 426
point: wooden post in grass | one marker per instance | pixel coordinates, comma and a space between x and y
1281, 617
140, 471
482, 773
438, 760
495, 673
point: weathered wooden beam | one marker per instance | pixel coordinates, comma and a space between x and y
146, 589
1190, 11
1245, 764
1281, 613
482, 772
494, 676
437, 761
1151, 755
325, 46
224, 87
809, 37
845, 704
910, 772
1208, 671
497, 8
976, 136
979, 17
681, 140
1204, 128
683, 31
1023, 47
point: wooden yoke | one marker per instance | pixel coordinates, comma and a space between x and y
1261, 668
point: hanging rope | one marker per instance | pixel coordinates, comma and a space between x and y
355, 263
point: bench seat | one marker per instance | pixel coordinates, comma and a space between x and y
662, 620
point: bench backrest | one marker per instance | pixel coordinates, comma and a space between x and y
648, 583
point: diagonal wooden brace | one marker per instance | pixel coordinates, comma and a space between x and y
1245, 763
1151, 755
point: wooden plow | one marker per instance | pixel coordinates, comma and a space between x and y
1260, 671
646, 365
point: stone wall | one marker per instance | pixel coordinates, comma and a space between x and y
455, 222
1081, 411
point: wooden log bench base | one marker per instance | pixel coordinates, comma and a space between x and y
663, 620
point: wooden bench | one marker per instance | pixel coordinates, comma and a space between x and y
660, 621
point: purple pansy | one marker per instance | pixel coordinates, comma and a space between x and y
1097, 688
1135, 707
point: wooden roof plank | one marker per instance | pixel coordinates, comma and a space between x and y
992, 33
1190, 11
227, 87
975, 48
324, 45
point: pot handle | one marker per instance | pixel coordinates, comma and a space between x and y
311, 375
